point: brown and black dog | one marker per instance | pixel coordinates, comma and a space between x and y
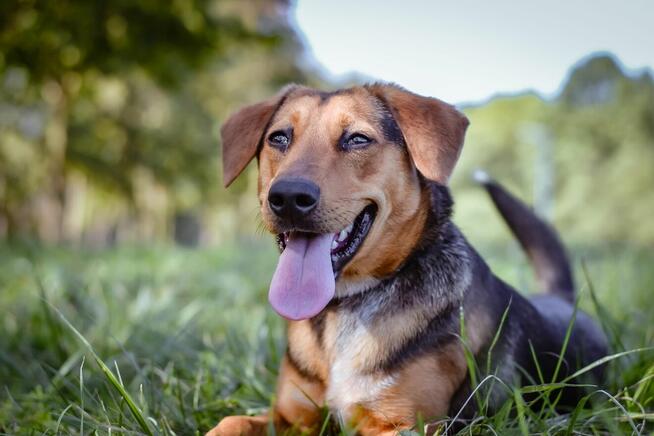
382, 292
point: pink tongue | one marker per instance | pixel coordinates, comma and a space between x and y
303, 282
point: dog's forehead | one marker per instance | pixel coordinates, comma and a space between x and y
341, 106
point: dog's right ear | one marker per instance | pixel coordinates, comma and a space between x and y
241, 134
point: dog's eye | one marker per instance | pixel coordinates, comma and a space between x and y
356, 140
279, 139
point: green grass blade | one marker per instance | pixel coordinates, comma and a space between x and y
81, 394
605, 319
490, 377
470, 358
622, 409
520, 408
604, 360
566, 340
61, 417
575, 415
645, 382
497, 337
325, 424
136, 412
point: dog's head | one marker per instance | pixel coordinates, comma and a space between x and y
341, 181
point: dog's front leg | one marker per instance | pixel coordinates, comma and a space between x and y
298, 398
241, 426
296, 405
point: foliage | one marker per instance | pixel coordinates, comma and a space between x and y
190, 338
110, 110
53, 40
600, 136
109, 115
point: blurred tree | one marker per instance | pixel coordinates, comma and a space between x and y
604, 119
125, 97
166, 39
109, 115
594, 82
602, 128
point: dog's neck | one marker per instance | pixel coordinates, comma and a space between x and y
435, 274
393, 318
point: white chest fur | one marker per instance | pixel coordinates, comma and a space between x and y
351, 382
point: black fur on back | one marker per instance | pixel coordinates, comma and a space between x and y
443, 276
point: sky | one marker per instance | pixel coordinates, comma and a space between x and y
467, 51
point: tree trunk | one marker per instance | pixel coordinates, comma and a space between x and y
56, 141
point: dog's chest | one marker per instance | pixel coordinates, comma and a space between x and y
344, 355
352, 381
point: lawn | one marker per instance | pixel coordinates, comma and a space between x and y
164, 340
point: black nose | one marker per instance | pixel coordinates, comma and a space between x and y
293, 198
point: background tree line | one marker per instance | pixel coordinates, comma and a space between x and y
109, 117
599, 132
110, 111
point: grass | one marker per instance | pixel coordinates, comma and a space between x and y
165, 340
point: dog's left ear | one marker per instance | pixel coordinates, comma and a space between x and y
433, 130
241, 134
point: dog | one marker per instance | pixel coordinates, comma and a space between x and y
384, 296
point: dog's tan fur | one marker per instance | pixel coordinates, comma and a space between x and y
348, 181
336, 370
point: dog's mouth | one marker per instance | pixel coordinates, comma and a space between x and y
305, 279
346, 243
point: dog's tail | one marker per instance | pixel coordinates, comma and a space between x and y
539, 240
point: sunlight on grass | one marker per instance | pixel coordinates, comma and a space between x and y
176, 339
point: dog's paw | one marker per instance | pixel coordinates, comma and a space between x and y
240, 426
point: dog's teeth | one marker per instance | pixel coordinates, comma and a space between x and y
334, 244
334, 258
343, 235
348, 229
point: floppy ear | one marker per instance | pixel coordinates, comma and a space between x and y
241, 134
433, 130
